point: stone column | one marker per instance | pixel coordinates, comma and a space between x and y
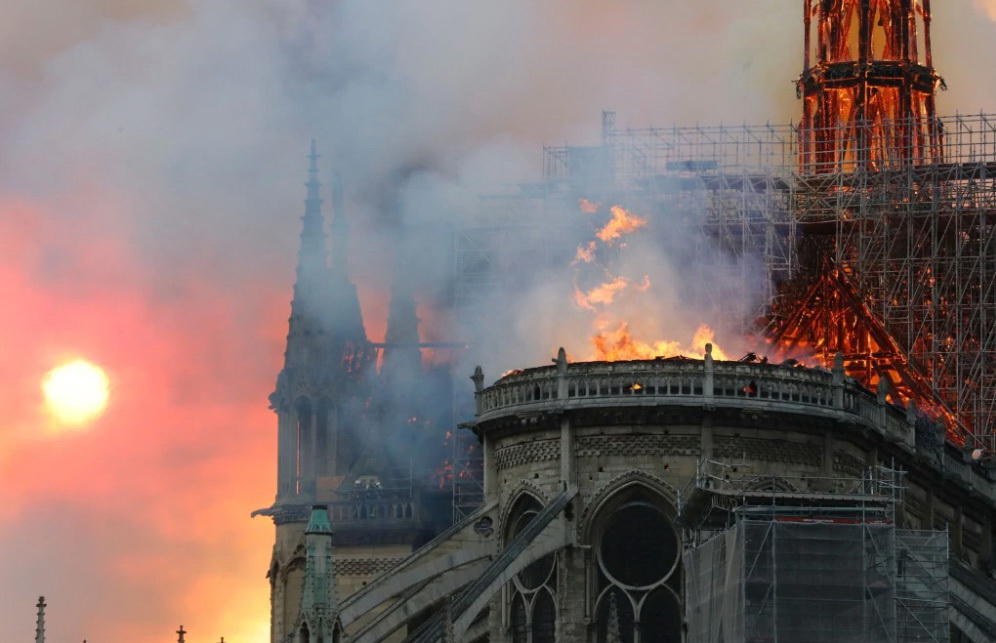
490, 473
568, 476
571, 595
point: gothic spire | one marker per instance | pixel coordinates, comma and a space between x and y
347, 318
312, 270
40, 622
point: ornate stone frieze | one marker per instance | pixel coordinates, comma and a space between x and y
784, 451
527, 453
629, 445
364, 566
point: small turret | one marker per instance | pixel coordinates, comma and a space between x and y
318, 607
40, 622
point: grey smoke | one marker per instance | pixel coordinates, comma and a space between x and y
182, 128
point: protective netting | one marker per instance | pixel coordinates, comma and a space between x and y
922, 585
816, 582
714, 597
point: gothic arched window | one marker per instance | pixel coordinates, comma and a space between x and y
531, 594
544, 625
304, 437
293, 581
637, 574
520, 624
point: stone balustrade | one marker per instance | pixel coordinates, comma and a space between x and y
393, 510
683, 381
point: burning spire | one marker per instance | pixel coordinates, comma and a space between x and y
868, 99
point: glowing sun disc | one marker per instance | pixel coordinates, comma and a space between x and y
76, 392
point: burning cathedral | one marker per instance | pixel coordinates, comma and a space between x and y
840, 489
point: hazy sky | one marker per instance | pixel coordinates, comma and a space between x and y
151, 161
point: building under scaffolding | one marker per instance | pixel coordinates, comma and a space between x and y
826, 565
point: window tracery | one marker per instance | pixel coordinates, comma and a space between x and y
532, 592
636, 571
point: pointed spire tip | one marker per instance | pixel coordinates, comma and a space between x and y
313, 157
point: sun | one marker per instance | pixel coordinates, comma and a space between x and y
76, 392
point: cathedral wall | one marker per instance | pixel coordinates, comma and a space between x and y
287, 578
611, 458
355, 566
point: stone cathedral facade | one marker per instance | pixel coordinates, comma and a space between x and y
344, 444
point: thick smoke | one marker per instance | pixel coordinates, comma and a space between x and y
151, 162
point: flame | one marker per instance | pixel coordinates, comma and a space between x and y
443, 475
832, 317
617, 343
613, 339
622, 222
603, 294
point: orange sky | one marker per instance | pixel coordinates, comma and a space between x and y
150, 189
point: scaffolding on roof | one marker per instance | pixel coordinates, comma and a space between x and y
914, 241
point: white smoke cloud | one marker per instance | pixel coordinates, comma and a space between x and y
181, 126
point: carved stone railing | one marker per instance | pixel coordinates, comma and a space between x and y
683, 381
379, 510
387, 510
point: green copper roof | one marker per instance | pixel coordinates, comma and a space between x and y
319, 521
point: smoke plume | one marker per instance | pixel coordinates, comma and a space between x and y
152, 157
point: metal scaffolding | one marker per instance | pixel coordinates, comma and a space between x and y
911, 249
808, 558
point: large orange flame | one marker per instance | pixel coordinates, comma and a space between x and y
613, 339
617, 343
